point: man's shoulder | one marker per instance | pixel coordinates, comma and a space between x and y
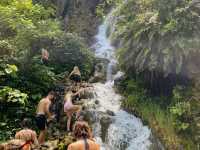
44, 100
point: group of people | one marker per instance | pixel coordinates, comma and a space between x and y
27, 138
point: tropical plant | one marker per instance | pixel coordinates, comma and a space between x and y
9, 95
157, 40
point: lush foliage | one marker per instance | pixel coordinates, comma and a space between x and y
158, 39
175, 124
26, 27
69, 50
9, 95
158, 42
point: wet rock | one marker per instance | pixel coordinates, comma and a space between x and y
105, 122
58, 143
51, 145
68, 140
63, 121
98, 77
89, 116
120, 76
81, 102
56, 134
156, 144
89, 105
100, 70
87, 93
110, 113
97, 102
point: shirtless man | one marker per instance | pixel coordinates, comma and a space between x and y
43, 115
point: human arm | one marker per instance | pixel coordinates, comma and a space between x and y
17, 136
70, 74
50, 116
70, 147
35, 140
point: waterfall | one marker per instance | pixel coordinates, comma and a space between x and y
125, 132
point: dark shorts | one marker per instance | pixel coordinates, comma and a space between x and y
75, 77
41, 122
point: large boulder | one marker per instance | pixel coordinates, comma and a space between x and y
100, 70
120, 76
105, 122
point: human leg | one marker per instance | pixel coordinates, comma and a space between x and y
41, 124
69, 117
41, 138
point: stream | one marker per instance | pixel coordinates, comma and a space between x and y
122, 131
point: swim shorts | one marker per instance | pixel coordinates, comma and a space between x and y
41, 121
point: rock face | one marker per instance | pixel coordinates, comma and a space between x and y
118, 78
105, 122
100, 71
78, 15
60, 6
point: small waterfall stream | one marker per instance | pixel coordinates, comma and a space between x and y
125, 132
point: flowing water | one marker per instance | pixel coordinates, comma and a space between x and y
125, 132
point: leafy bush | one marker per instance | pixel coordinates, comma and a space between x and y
9, 95
7, 69
158, 38
26, 27
172, 123
68, 50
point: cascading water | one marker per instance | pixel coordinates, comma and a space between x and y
125, 132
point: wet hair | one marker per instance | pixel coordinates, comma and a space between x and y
52, 93
76, 68
82, 130
26, 123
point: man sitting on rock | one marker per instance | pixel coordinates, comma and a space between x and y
43, 115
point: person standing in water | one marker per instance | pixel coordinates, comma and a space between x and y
83, 135
75, 75
43, 115
70, 108
45, 56
27, 135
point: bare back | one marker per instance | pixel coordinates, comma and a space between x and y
79, 145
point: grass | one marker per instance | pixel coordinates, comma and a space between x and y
157, 117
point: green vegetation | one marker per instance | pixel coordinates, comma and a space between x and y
175, 124
25, 28
159, 39
158, 43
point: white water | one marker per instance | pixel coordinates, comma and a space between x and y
126, 132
